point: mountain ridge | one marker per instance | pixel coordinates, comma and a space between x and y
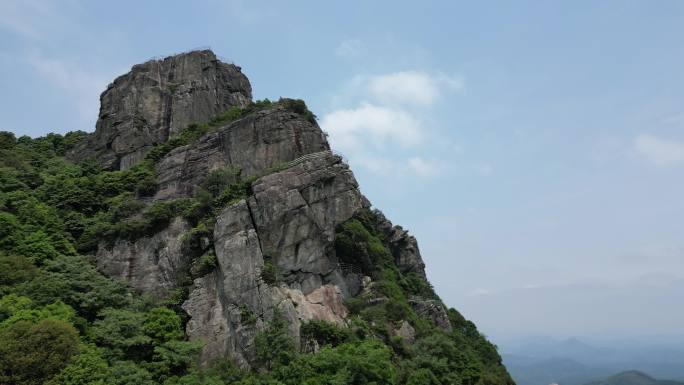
239, 239
633, 377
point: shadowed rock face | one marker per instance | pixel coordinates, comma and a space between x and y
157, 99
150, 264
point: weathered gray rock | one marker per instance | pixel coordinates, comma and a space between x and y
406, 332
296, 212
228, 306
256, 143
150, 264
157, 99
433, 310
291, 218
403, 246
302, 194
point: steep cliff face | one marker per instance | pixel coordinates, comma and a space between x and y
157, 99
299, 241
252, 144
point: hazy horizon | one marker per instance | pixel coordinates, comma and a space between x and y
535, 150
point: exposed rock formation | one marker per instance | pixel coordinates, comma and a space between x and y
296, 212
303, 194
253, 144
157, 99
150, 264
406, 332
291, 218
432, 310
403, 246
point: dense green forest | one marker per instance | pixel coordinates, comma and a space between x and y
62, 322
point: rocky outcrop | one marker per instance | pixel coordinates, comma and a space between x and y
296, 212
290, 219
406, 332
433, 310
301, 194
403, 246
256, 143
229, 305
157, 99
151, 265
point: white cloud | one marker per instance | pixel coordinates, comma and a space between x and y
389, 122
411, 87
353, 130
659, 151
349, 48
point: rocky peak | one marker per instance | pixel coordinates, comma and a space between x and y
273, 244
157, 99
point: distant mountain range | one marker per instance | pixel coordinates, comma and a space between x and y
542, 361
633, 377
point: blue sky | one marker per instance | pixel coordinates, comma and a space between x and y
535, 148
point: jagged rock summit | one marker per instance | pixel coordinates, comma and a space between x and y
283, 245
157, 99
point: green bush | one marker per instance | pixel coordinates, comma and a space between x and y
325, 333
87, 367
7, 140
12, 304
128, 372
269, 271
364, 362
247, 317
15, 269
273, 346
31, 353
358, 245
299, 107
218, 180
120, 331
162, 325
74, 281
207, 264
232, 194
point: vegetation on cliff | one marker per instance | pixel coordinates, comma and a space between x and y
62, 322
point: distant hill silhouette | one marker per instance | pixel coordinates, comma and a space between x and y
575, 361
633, 377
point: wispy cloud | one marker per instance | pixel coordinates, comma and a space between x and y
659, 151
371, 125
411, 87
389, 121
